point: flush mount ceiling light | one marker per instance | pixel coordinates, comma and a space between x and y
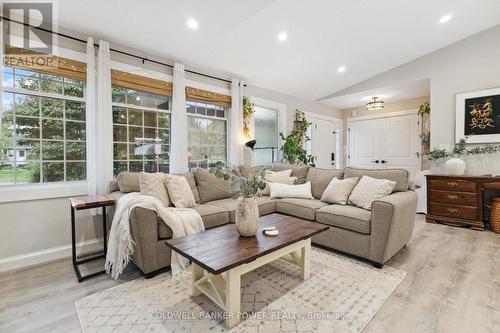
375, 104
192, 24
341, 69
282, 36
445, 18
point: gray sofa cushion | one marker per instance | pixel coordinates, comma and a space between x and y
210, 187
302, 208
266, 206
320, 178
128, 182
212, 215
299, 171
346, 217
400, 176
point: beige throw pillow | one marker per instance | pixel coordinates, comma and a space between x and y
153, 184
370, 189
276, 179
283, 173
338, 191
179, 191
302, 191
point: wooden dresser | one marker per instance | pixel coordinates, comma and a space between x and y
458, 200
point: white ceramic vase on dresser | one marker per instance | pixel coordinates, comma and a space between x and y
454, 167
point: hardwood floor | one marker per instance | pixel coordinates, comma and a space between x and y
452, 285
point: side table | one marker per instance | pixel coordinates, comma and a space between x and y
88, 202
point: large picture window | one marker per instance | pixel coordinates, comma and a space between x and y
141, 131
43, 136
207, 134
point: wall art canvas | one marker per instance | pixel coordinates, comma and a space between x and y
478, 116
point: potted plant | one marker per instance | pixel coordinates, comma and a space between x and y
245, 189
292, 149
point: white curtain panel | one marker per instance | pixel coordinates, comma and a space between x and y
104, 118
179, 126
90, 96
235, 156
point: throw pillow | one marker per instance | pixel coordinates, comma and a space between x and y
179, 191
370, 189
153, 184
128, 182
282, 173
276, 179
302, 191
338, 191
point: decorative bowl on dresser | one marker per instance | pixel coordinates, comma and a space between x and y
458, 200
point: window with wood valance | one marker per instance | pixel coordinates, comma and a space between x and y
44, 63
141, 83
200, 95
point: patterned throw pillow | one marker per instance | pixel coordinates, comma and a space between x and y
370, 189
179, 191
338, 191
153, 184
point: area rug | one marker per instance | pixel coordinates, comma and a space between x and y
342, 295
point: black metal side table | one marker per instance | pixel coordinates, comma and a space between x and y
88, 202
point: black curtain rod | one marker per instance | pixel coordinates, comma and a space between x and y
116, 51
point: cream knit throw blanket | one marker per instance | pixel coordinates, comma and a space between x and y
182, 221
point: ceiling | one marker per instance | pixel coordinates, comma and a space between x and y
240, 38
389, 94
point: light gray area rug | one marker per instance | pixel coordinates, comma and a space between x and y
342, 295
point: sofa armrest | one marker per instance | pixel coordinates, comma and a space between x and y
392, 221
144, 232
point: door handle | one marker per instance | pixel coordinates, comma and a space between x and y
383, 161
376, 161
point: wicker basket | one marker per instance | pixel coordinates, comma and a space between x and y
495, 215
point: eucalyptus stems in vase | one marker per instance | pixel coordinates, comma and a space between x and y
245, 189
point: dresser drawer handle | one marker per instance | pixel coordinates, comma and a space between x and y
452, 210
452, 183
452, 196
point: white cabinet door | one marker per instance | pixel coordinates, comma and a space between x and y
364, 143
390, 142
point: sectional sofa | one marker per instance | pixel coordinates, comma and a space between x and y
375, 235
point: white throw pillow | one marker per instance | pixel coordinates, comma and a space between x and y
153, 184
338, 191
179, 191
276, 179
283, 173
370, 189
302, 191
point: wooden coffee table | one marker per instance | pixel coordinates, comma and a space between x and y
221, 249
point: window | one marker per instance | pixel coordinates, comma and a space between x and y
42, 126
266, 136
207, 134
141, 131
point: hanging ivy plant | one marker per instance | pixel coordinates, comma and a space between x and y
292, 149
248, 108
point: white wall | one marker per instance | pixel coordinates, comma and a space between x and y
468, 65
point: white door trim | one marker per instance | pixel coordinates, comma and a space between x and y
383, 115
322, 117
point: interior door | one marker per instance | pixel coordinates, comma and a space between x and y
364, 143
325, 143
390, 142
401, 143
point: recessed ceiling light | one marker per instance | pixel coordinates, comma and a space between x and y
192, 24
341, 69
445, 18
282, 36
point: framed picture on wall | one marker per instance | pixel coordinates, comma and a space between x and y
478, 116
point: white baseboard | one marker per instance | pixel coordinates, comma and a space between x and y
43, 256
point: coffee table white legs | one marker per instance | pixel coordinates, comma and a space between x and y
305, 260
233, 290
225, 291
198, 273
